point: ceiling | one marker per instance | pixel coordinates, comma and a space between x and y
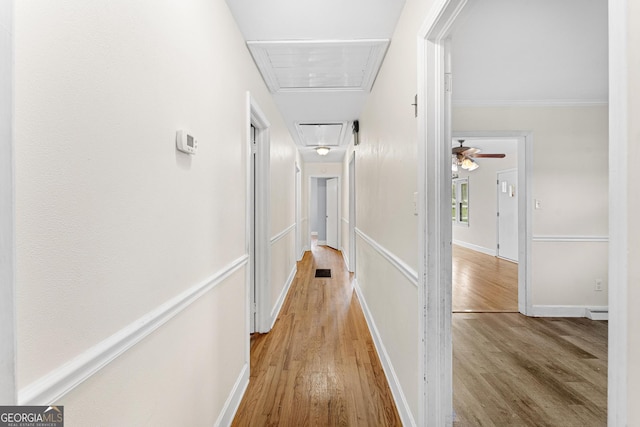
320, 59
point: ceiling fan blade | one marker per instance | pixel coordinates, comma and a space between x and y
489, 156
471, 151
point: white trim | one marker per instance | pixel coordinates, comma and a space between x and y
275, 312
476, 248
565, 310
51, 387
525, 207
345, 258
597, 313
617, 408
392, 379
235, 397
400, 265
435, 398
8, 343
328, 176
283, 233
260, 261
352, 211
603, 239
532, 103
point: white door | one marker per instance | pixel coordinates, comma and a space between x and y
332, 212
508, 215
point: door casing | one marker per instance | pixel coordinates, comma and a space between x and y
258, 220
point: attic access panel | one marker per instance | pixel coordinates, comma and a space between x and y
321, 134
308, 65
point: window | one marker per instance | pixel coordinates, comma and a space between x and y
460, 201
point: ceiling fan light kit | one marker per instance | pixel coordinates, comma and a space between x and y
464, 157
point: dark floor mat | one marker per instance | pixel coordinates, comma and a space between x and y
323, 272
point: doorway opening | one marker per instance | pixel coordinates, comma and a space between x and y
351, 264
258, 218
489, 218
324, 211
435, 249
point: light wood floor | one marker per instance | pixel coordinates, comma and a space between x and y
318, 366
483, 283
512, 370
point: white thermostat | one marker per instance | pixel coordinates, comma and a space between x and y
186, 143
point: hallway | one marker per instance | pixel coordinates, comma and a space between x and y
318, 365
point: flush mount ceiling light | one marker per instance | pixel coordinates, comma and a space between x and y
323, 151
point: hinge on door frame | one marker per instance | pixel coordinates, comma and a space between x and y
448, 82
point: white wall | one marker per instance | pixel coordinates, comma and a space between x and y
113, 222
7, 220
387, 242
570, 179
633, 194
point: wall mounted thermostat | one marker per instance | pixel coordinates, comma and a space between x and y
186, 143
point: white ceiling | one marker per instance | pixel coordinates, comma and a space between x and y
338, 27
523, 51
504, 51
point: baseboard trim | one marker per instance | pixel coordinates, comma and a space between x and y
235, 397
598, 313
283, 295
345, 258
569, 311
476, 248
54, 385
568, 239
400, 265
394, 383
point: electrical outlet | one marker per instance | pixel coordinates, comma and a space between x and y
598, 286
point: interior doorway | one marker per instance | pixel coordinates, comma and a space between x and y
324, 210
352, 214
483, 280
258, 218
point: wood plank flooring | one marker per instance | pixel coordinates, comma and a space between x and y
318, 366
513, 370
483, 283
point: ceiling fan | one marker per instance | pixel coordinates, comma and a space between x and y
464, 157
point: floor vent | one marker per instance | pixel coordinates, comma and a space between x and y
323, 272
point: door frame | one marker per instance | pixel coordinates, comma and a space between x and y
352, 213
328, 176
8, 304
525, 207
434, 126
260, 257
298, 183
338, 217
